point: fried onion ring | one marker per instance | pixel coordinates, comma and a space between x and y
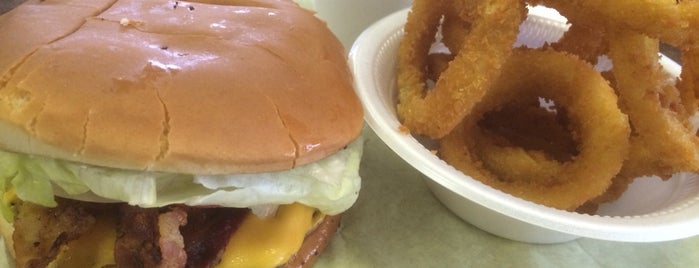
532, 126
494, 28
667, 20
661, 143
454, 30
436, 64
512, 163
663, 140
586, 42
592, 111
525, 141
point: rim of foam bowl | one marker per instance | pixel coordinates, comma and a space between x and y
376, 48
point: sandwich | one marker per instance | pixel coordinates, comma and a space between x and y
160, 133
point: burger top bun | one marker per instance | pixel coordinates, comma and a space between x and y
206, 88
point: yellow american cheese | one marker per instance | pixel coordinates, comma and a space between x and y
268, 242
93, 249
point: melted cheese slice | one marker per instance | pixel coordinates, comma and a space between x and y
268, 242
93, 249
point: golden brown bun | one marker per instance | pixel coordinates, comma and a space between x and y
174, 86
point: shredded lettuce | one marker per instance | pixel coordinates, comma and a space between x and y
331, 184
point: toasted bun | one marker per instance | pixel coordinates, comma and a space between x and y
174, 86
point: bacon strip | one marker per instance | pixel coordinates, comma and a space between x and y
207, 233
137, 235
171, 241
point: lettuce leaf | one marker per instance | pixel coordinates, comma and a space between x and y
23, 175
331, 184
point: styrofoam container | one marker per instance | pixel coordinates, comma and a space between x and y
650, 210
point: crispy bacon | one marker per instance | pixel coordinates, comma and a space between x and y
171, 241
174, 236
137, 237
207, 233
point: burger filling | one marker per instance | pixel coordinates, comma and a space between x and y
67, 214
85, 234
330, 185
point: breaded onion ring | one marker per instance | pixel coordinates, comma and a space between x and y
524, 141
689, 86
532, 126
591, 106
436, 64
434, 113
586, 42
513, 163
662, 142
663, 19
454, 30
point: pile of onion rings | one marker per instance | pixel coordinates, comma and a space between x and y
543, 124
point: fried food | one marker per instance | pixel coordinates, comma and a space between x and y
662, 144
663, 141
591, 108
525, 141
487, 46
607, 129
640, 81
582, 40
689, 83
513, 163
436, 64
663, 19
537, 125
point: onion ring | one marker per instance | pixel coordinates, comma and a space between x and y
667, 20
524, 141
454, 30
483, 52
511, 163
436, 64
586, 42
532, 126
663, 140
661, 143
591, 107
689, 84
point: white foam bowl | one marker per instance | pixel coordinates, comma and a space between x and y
651, 210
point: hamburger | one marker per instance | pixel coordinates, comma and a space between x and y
159, 133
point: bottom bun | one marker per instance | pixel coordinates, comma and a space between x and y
82, 234
315, 242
